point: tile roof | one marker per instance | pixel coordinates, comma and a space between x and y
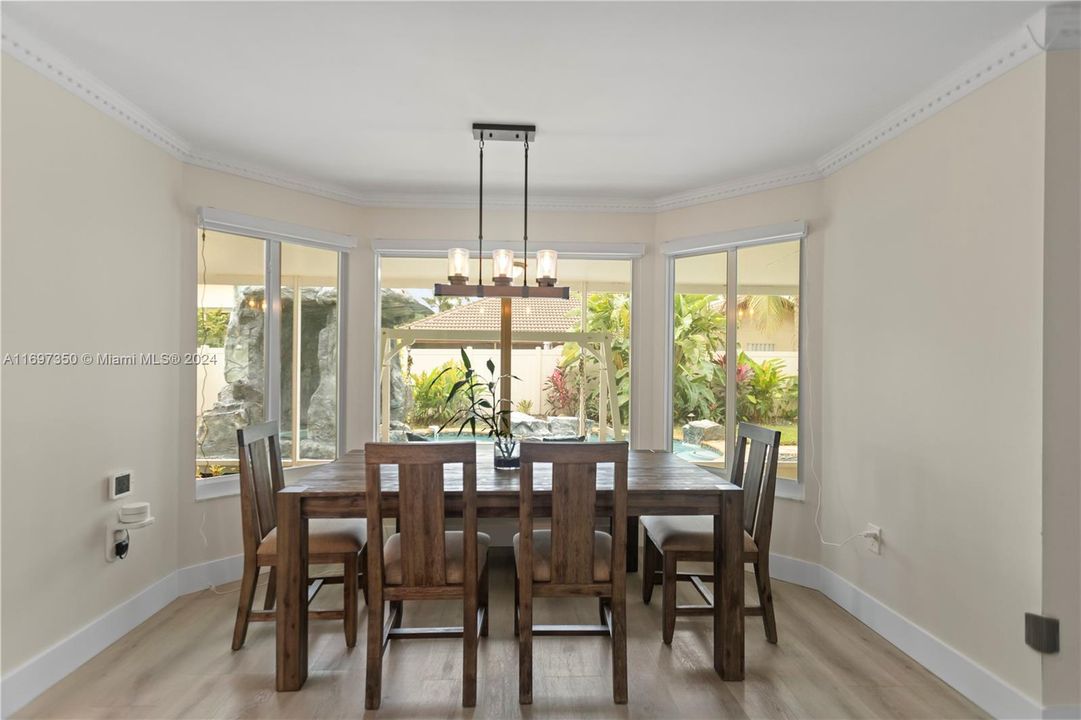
528, 315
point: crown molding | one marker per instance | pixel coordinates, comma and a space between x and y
1057, 23
1004, 55
737, 187
36, 54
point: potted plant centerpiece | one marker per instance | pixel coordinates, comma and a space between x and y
482, 407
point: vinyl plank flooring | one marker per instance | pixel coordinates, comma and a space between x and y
178, 664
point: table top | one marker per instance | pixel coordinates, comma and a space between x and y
656, 482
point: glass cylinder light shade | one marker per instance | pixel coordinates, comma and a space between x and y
458, 266
502, 266
546, 267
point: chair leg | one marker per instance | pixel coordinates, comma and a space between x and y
470, 603
484, 583
668, 604
516, 602
349, 593
619, 648
373, 681
362, 578
244, 603
600, 609
525, 649
765, 598
649, 569
271, 589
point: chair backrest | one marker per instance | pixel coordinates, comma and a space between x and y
755, 470
574, 503
421, 506
261, 477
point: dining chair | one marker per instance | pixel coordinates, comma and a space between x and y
670, 540
330, 541
572, 559
423, 561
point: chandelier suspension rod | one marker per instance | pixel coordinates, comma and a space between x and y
480, 219
525, 220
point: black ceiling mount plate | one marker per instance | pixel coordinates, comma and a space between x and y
499, 131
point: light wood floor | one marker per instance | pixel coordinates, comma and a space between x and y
827, 665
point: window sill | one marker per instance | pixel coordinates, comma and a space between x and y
790, 490
217, 487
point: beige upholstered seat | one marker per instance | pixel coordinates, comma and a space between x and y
455, 549
691, 533
325, 537
542, 555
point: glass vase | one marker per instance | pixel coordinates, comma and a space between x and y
506, 455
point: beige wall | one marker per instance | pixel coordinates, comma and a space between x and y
90, 249
1062, 377
931, 371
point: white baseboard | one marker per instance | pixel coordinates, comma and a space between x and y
215, 572
26, 682
990, 692
35, 676
969, 678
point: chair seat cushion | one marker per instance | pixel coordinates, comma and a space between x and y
455, 557
687, 533
325, 537
542, 555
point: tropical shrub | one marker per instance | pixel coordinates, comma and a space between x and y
211, 324
524, 406
561, 397
430, 392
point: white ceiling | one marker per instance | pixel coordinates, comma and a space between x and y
631, 100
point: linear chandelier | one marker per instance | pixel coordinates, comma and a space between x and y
503, 264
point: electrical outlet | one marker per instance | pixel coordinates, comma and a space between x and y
873, 533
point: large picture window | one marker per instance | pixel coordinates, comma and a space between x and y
735, 351
571, 358
270, 356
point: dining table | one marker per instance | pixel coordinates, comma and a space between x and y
658, 483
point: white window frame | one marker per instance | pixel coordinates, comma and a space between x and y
634, 252
273, 233
729, 242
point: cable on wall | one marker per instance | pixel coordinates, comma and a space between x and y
814, 474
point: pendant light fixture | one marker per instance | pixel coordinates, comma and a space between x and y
503, 263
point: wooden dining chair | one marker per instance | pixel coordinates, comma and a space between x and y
572, 559
670, 540
330, 542
424, 561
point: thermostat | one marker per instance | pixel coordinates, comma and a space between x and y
119, 484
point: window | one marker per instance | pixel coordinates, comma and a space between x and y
571, 358
270, 356
735, 344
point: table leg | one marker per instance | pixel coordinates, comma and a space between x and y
728, 587
292, 620
632, 544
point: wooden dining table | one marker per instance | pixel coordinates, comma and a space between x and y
658, 483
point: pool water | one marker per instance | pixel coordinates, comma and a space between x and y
695, 453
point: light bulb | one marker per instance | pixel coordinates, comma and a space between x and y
546, 267
502, 266
458, 266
